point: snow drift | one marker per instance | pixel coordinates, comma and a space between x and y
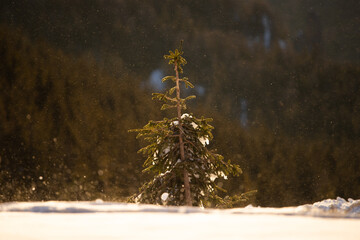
328, 219
327, 208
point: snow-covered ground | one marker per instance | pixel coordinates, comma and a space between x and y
328, 219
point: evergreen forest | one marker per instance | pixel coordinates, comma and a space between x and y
281, 80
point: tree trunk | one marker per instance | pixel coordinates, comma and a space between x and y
188, 200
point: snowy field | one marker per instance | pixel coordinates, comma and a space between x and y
328, 219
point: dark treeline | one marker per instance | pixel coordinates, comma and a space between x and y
74, 79
64, 124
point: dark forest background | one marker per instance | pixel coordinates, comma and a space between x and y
280, 78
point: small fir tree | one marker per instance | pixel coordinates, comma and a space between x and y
185, 169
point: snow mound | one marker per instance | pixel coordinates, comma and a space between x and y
333, 207
338, 207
